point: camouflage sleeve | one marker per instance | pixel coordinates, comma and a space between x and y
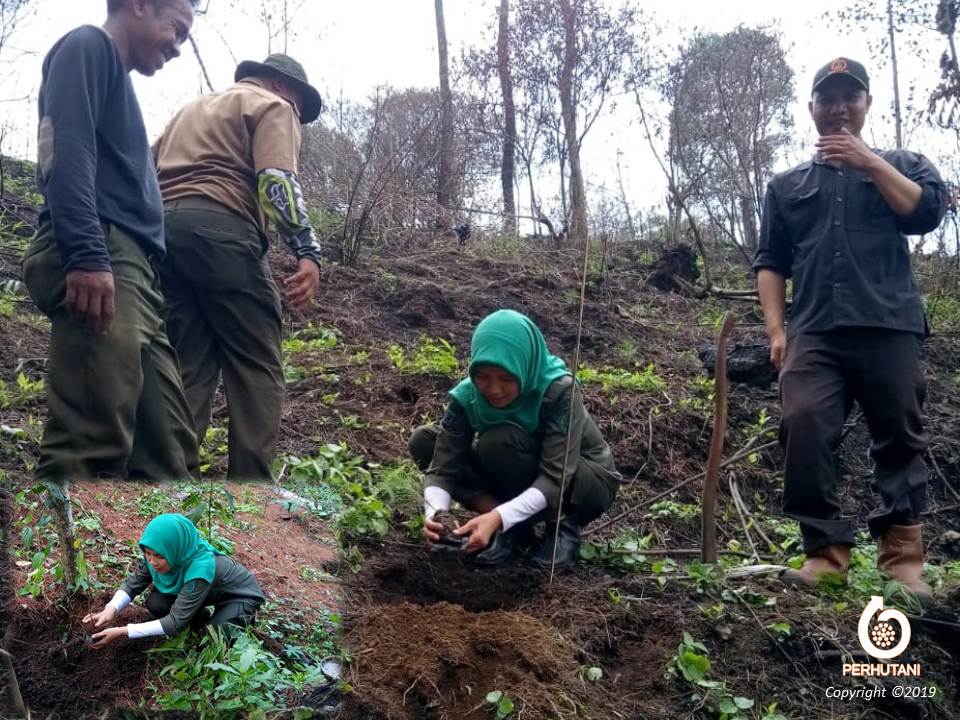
282, 201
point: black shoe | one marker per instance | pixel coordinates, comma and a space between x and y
568, 542
200, 620
502, 548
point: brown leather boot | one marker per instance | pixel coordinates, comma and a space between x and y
901, 557
828, 559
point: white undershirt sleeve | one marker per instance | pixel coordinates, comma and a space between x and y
435, 499
120, 600
145, 629
523, 506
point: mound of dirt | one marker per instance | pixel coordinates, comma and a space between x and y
420, 306
439, 661
61, 676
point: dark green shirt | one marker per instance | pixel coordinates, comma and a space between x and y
231, 581
832, 231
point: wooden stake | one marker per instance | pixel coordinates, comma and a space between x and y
709, 501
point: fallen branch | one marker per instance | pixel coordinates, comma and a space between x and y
742, 508
748, 449
16, 697
941, 475
743, 516
941, 509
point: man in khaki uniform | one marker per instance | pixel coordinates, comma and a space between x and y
227, 162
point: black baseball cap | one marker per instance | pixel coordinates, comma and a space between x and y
842, 66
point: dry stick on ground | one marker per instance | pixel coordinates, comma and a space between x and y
747, 450
6, 593
16, 697
709, 534
742, 508
743, 516
650, 415
796, 665
941, 509
743, 452
943, 478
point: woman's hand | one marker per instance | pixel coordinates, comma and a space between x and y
432, 530
105, 637
104, 617
480, 529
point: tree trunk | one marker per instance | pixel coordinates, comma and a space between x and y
749, 218
508, 161
623, 200
897, 119
533, 194
445, 174
568, 109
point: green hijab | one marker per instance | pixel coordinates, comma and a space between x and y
512, 341
178, 541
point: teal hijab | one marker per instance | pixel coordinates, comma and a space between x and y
512, 341
178, 541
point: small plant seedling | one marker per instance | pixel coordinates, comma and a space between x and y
502, 705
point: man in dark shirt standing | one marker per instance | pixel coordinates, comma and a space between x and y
837, 225
115, 399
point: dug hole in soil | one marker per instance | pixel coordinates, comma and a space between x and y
60, 674
434, 634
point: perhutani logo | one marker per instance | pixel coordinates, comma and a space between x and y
878, 637
838, 66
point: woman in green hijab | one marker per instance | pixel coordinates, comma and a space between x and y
499, 449
188, 577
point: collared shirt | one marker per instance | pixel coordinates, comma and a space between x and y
832, 231
217, 144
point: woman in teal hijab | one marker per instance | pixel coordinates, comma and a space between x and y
188, 577
499, 449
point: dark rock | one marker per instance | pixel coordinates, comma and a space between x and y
747, 364
950, 543
675, 265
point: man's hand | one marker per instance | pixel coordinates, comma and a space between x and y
778, 348
846, 149
480, 529
90, 297
105, 637
302, 286
104, 617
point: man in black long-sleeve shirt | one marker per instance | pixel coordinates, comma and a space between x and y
837, 225
114, 394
